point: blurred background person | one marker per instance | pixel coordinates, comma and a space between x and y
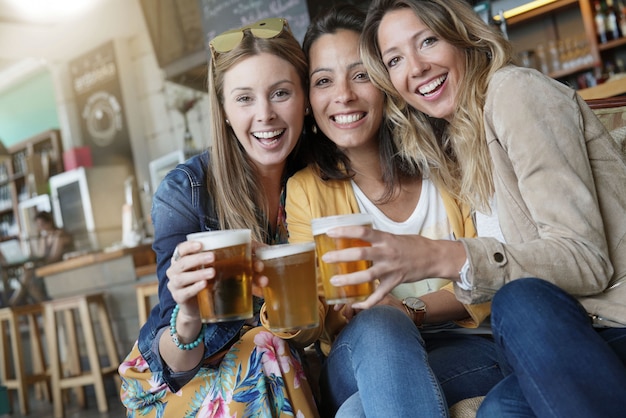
52, 241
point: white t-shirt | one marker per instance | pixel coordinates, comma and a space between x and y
488, 225
429, 219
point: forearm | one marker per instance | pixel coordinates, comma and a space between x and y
447, 259
442, 306
177, 359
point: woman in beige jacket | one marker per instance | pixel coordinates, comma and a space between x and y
549, 188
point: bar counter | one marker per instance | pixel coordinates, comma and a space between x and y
610, 88
114, 272
144, 259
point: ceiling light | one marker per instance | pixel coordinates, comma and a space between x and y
49, 10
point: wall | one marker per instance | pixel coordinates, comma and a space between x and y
156, 128
28, 108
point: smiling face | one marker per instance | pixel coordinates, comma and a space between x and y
425, 69
264, 103
347, 107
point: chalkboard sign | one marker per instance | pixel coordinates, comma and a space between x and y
319, 6
221, 15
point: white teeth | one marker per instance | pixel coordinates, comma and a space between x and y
345, 119
428, 88
267, 134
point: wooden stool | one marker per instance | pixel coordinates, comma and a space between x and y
144, 291
72, 376
10, 335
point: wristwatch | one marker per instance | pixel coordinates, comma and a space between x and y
416, 309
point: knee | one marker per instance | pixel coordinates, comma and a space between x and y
521, 295
516, 289
380, 323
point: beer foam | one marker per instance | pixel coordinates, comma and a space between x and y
322, 225
283, 250
212, 240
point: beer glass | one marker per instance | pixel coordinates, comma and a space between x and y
229, 295
323, 244
291, 294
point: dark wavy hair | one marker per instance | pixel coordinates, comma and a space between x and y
330, 162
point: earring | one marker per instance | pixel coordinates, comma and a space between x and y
227, 122
307, 110
314, 128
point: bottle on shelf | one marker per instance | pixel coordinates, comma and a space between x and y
542, 59
600, 19
621, 5
613, 30
555, 58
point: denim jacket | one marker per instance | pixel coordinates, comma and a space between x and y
181, 205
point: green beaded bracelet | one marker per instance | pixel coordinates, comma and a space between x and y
174, 335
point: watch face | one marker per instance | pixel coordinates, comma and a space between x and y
415, 304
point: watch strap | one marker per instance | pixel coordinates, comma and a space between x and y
417, 315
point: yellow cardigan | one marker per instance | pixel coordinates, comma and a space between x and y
310, 197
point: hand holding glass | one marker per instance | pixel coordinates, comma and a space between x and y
291, 293
228, 296
323, 244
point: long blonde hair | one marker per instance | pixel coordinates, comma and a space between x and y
454, 155
233, 180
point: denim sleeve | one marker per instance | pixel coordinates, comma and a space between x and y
175, 380
181, 205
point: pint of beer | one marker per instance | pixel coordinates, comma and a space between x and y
323, 244
229, 295
291, 294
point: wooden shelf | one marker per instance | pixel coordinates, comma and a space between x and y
544, 21
570, 71
32, 163
612, 44
543, 9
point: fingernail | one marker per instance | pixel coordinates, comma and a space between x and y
335, 282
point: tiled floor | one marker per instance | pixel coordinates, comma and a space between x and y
43, 409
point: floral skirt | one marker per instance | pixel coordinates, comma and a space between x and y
260, 376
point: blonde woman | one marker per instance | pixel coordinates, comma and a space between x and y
180, 366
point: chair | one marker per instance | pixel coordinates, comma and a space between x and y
144, 292
13, 357
71, 374
612, 112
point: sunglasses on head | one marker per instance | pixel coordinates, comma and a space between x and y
264, 29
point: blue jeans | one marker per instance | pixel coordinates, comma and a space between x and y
381, 358
559, 365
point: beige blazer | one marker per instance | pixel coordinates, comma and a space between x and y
560, 185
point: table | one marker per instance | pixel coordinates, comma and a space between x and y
24, 272
609, 88
114, 272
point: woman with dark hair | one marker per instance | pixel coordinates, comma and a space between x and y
415, 335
